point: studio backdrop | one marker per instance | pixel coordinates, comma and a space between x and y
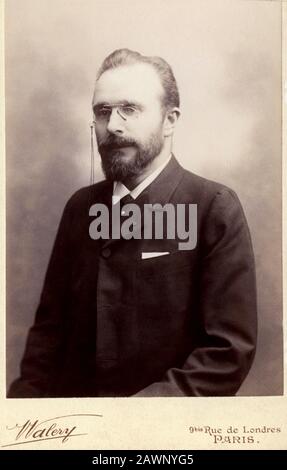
226, 57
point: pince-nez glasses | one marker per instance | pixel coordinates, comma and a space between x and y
126, 112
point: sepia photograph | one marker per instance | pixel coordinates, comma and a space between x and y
144, 221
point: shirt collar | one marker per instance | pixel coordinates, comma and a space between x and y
120, 190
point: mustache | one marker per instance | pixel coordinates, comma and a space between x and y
115, 142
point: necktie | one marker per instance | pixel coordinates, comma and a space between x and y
120, 214
125, 200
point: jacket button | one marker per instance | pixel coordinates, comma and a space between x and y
106, 252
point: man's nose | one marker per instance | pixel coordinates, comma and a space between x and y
115, 123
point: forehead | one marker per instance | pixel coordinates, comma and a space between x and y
136, 82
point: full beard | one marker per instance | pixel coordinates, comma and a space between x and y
118, 168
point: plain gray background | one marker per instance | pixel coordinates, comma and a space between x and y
226, 57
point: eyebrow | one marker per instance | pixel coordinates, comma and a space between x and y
134, 104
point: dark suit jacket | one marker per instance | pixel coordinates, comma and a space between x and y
112, 324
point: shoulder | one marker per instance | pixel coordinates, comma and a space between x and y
204, 191
218, 205
221, 216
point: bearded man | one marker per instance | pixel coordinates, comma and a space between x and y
134, 315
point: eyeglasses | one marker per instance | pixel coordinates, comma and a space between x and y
126, 112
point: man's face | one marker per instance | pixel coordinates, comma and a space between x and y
129, 119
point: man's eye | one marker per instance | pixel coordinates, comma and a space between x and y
103, 112
128, 110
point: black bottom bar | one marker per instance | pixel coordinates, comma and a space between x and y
139, 458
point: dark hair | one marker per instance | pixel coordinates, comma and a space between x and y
127, 57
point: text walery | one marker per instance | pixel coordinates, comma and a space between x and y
152, 221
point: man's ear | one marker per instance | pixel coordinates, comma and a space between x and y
170, 121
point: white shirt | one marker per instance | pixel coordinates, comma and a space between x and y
120, 190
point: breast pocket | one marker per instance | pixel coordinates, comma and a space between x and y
164, 284
162, 264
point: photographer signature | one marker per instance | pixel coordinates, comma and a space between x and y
52, 428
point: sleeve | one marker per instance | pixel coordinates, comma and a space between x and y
227, 312
45, 336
